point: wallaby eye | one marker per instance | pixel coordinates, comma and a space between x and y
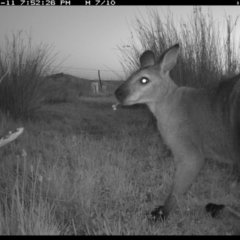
144, 80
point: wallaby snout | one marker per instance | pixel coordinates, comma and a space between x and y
121, 93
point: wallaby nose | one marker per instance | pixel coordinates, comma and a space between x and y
119, 94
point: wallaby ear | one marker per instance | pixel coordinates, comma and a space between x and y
147, 59
169, 58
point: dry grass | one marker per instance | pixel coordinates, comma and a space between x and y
85, 169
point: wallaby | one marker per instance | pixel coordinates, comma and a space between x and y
194, 123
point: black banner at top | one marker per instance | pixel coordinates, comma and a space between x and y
114, 3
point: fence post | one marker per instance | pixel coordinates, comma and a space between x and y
100, 81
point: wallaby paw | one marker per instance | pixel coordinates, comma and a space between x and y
156, 214
214, 209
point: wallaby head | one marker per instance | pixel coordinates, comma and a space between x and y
152, 81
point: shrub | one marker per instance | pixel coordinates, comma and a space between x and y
23, 86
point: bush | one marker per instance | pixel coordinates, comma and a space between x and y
23, 86
205, 54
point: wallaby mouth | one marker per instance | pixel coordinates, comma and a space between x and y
122, 93
119, 94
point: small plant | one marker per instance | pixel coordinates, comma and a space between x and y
23, 86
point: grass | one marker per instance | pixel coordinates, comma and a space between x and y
83, 168
22, 70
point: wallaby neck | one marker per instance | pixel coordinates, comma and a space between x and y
166, 95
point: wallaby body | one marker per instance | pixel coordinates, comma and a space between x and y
194, 123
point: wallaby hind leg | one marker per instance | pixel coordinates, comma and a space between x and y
187, 170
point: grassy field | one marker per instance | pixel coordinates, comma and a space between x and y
82, 168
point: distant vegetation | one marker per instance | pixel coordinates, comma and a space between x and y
22, 70
70, 88
27, 83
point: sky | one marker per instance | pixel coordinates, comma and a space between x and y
86, 37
